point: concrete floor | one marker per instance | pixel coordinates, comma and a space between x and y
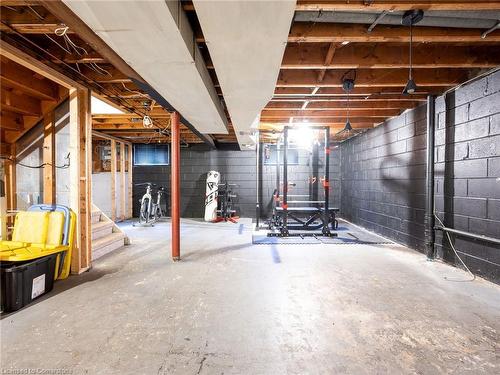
232, 308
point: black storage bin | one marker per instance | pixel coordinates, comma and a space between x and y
23, 282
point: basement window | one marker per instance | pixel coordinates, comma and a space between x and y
151, 154
269, 155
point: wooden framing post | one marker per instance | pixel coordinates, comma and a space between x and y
130, 184
80, 122
122, 181
10, 179
10, 189
113, 180
80, 146
49, 157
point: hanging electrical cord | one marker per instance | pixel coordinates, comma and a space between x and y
456, 254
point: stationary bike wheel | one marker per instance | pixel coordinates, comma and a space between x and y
157, 212
144, 213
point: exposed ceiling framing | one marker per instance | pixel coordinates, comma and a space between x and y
322, 50
364, 40
32, 27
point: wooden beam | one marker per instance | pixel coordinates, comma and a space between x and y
374, 77
10, 179
123, 199
113, 180
38, 67
328, 60
355, 112
80, 176
49, 156
395, 5
17, 77
11, 121
356, 33
386, 56
371, 92
21, 104
101, 135
27, 22
316, 104
336, 126
323, 120
130, 182
70, 19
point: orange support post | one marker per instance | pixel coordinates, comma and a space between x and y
175, 185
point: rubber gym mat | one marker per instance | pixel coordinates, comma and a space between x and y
263, 239
354, 237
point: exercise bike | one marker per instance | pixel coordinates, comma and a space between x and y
151, 211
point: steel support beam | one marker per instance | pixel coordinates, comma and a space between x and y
175, 185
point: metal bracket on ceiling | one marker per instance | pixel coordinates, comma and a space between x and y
485, 34
377, 20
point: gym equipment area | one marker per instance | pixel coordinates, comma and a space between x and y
249, 187
300, 212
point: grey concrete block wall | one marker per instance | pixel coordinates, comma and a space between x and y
383, 178
467, 172
383, 175
237, 167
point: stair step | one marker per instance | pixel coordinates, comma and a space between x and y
105, 245
101, 229
96, 216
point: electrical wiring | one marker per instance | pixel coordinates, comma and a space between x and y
36, 13
96, 86
456, 254
66, 165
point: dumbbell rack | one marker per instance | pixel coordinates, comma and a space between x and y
225, 212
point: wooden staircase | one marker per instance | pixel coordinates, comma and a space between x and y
106, 236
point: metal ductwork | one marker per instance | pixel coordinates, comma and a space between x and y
246, 41
155, 39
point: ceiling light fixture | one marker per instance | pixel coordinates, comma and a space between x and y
348, 85
147, 122
410, 18
348, 131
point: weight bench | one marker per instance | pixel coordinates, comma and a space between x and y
305, 218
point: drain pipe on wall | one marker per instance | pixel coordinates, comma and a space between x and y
429, 194
257, 167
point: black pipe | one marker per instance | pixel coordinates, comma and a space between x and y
284, 229
429, 194
326, 182
257, 206
278, 168
468, 234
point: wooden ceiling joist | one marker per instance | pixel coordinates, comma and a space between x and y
315, 113
11, 121
21, 104
392, 5
15, 76
338, 104
372, 92
386, 56
369, 77
302, 32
